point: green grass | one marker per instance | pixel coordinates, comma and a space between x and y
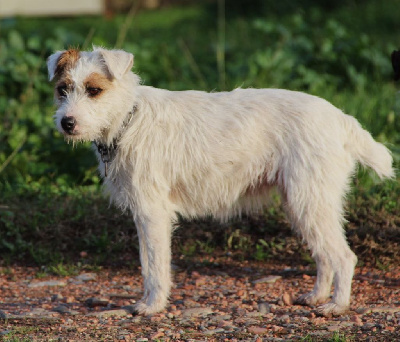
51, 207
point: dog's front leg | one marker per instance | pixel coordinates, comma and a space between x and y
154, 231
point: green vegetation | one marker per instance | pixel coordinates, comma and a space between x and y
51, 207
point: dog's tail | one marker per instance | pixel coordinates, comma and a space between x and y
367, 151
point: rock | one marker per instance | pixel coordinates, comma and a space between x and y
213, 331
197, 312
386, 309
47, 283
285, 318
61, 309
333, 327
269, 280
109, 313
86, 277
264, 308
92, 302
356, 319
368, 326
143, 339
56, 297
363, 311
3, 315
157, 335
287, 299
258, 330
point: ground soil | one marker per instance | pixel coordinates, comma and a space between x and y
214, 299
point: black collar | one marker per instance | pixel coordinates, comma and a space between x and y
108, 152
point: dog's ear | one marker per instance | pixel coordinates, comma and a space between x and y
52, 63
118, 62
396, 64
62, 60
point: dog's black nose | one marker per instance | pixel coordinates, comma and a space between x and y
68, 124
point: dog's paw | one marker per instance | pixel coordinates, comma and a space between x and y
331, 309
144, 308
310, 299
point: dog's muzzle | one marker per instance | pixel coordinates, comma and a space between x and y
68, 124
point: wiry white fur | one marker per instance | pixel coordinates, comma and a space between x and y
219, 154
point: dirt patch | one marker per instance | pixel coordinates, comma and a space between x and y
213, 299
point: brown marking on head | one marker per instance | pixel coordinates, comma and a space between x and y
66, 61
97, 81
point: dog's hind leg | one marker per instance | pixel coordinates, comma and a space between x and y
316, 213
322, 287
154, 231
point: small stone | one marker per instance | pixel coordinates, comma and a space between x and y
47, 283
334, 327
157, 335
213, 331
92, 302
386, 309
269, 280
143, 339
368, 326
264, 308
86, 277
303, 319
258, 330
38, 313
61, 309
356, 319
285, 318
109, 313
363, 311
287, 299
3, 315
69, 300
56, 297
197, 312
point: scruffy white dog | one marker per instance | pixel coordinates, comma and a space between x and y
166, 152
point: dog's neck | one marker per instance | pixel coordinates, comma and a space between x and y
107, 150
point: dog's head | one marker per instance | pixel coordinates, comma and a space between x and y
93, 91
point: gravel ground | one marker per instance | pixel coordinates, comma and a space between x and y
213, 300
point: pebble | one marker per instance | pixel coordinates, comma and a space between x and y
109, 313
356, 319
258, 330
56, 297
334, 327
287, 299
92, 302
264, 308
47, 283
197, 312
213, 331
86, 277
63, 309
368, 326
269, 280
39, 313
3, 315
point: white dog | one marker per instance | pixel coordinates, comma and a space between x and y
166, 152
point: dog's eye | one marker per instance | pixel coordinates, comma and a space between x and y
62, 90
93, 91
